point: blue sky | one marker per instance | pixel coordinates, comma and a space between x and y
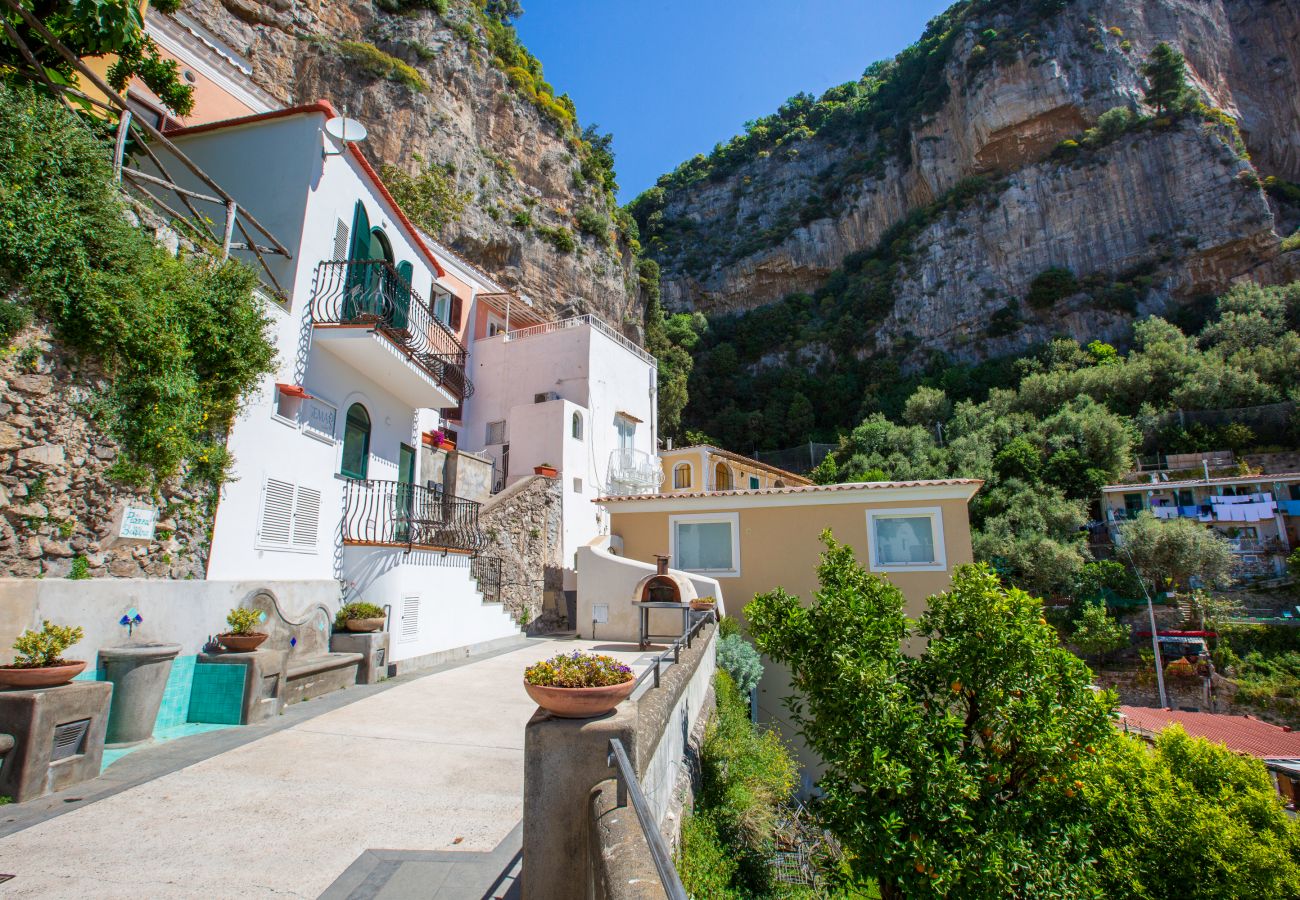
670, 78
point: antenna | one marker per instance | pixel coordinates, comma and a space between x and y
345, 131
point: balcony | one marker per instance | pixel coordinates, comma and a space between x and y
397, 514
634, 472
365, 313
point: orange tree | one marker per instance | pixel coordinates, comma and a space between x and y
953, 745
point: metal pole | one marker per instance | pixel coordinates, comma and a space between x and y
1155, 635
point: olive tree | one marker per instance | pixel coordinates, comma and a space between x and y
950, 770
1170, 552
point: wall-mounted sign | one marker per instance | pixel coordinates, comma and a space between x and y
600, 613
138, 523
318, 418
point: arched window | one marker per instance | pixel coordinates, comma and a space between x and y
682, 476
722, 478
356, 442
577, 426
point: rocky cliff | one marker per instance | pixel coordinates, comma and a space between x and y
1176, 208
454, 107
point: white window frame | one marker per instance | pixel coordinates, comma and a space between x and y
935, 515
732, 519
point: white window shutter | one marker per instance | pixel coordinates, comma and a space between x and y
341, 240
277, 513
306, 517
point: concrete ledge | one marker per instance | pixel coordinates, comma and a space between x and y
621, 865
442, 657
565, 760
316, 675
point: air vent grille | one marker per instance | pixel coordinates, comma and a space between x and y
69, 740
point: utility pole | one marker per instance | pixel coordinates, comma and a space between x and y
1155, 634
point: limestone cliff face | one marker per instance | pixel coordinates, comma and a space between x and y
505, 152
1177, 203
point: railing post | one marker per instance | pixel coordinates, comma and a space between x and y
232, 210
119, 150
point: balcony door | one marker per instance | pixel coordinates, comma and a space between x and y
372, 289
405, 512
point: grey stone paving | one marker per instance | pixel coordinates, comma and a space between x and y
434, 875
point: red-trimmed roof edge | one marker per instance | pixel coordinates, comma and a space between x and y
327, 109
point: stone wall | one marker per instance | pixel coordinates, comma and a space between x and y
523, 525
58, 503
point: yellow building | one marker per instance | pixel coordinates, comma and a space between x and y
705, 468
913, 533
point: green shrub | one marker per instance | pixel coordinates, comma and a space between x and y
181, 338
1291, 243
14, 317
1050, 286
358, 609
37, 649
522, 219
412, 6
370, 59
745, 775
430, 196
728, 626
706, 865
80, 568
558, 237
243, 620
740, 660
595, 224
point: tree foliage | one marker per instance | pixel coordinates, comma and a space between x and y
1096, 632
951, 772
430, 196
1166, 74
1168, 553
182, 338
90, 29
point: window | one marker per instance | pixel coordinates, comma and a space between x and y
626, 432
496, 432
708, 543
1132, 505
754, 483
576, 427
356, 442
906, 540
442, 307
577, 485
682, 476
722, 478
290, 516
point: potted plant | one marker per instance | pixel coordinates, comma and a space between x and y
546, 469
360, 616
578, 685
704, 604
241, 638
39, 661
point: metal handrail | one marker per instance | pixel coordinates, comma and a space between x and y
595, 322
675, 648
669, 880
486, 570
373, 293
398, 514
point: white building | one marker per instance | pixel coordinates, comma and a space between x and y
326, 481
573, 394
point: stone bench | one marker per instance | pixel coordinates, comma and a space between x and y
310, 668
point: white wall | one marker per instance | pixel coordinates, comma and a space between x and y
181, 612
451, 612
595, 376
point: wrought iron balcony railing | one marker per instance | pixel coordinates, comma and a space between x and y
397, 514
373, 293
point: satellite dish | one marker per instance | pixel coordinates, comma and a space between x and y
349, 131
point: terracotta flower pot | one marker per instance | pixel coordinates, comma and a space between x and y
548, 471
365, 625
241, 643
41, 676
702, 605
579, 703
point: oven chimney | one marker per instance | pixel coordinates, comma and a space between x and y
661, 565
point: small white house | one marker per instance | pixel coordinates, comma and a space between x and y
326, 480
573, 394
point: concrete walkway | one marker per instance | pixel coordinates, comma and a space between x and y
371, 798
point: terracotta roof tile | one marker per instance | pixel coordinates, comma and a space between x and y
802, 489
1241, 734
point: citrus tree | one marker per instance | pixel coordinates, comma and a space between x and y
952, 745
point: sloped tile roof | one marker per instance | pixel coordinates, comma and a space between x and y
1241, 734
802, 489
